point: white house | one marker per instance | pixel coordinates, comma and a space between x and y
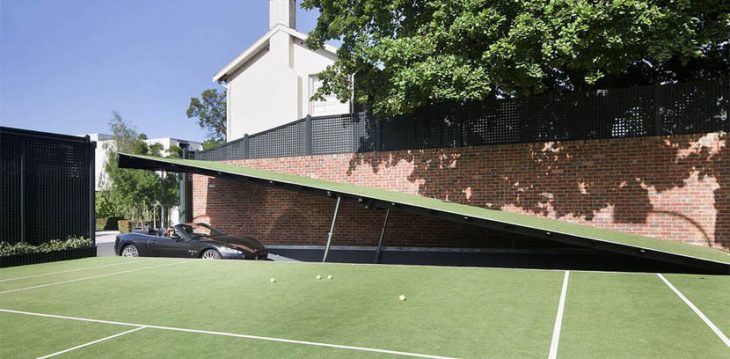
271, 82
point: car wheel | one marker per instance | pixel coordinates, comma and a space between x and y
211, 254
130, 251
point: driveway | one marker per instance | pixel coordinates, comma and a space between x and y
105, 242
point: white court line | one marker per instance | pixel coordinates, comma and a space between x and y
62, 272
90, 343
92, 277
697, 311
559, 319
224, 334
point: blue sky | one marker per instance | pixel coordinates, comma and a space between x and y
66, 64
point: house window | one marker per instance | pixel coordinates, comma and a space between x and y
319, 108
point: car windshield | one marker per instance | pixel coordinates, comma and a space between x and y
197, 230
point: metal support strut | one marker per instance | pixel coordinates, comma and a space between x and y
332, 230
382, 235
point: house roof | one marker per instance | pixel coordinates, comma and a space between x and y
257, 46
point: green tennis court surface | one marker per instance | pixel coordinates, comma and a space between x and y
156, 307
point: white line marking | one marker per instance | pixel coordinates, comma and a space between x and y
697, 311
91, 343
62, 272
224, 334
92, 277
559, 319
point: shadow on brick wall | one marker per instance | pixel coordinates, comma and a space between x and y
577, 179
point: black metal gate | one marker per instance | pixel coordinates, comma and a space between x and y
46, 186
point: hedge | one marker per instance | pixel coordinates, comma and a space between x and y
54, 245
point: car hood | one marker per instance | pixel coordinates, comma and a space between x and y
241, 243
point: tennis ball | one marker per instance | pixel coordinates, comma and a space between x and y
329, 276
319, 276
402, 297
272, 280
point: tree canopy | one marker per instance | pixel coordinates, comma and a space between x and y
135, 193
407, 54
210, 110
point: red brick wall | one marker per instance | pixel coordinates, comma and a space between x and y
674, 188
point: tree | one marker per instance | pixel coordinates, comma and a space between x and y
408, 54
212, 143
136, 193
210, 110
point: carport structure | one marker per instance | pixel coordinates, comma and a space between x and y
700, 258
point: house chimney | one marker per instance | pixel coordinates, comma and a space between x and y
282, 12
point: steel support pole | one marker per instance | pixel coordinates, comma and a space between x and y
332, 230
382, 235
183, 192
22, 194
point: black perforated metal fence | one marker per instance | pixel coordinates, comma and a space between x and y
627, 112
46, 186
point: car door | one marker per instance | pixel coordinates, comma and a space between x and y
168, 247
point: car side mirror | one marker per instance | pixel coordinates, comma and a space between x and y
176, 237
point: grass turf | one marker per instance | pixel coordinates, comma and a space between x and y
711, 293
154, 343
632, 316
462, 312
23, 336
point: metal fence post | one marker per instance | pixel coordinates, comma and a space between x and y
353, 134
246, 148
92, 189
22, 192
378, 133
658, 110
308, 135
726, 84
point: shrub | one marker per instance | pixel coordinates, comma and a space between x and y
7, 249
112, 223
100, 222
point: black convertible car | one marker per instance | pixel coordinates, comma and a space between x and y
189, 240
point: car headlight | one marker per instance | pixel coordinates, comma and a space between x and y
230, 250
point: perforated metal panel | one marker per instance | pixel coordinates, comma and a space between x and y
694, 108
284, 141
499, 123
10, 209
46, 184
615, 113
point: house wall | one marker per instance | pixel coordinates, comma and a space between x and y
674, 188
263, 94
273, 88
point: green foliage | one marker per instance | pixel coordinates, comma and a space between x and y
135, 193
105, 207
412, 54
174, 151
7, 249
156, 149
212, 143
210, 110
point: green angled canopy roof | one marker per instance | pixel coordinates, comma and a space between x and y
697, 256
